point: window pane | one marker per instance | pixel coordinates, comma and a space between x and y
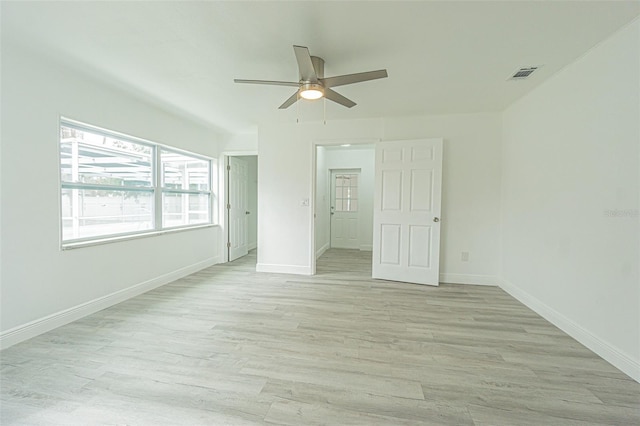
353, 206
183, 172
91, 213
184, 209
87, 157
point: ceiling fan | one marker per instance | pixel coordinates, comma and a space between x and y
313, 84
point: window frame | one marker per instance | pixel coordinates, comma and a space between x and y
163, 190
155, 189
348, 197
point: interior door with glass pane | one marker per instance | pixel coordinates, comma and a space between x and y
344, 209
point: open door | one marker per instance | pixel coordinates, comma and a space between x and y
406, 215
237, 179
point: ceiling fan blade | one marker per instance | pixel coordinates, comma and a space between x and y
341, 80
305, 65
292, 100
273, 83
337, 97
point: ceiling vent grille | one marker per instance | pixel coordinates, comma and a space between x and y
523, 73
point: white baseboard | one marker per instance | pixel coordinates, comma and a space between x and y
252, 246
366, 247
283, 269
612, 355
469, 279
321, 250
34, 328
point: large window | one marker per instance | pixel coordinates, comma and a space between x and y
116, 185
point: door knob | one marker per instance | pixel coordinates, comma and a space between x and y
436, 219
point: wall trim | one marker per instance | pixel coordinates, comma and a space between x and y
321, 250
469, 279
42, 325
366, 247
612, 355
252, 246
283, 269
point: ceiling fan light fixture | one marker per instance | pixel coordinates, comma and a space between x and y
311, 91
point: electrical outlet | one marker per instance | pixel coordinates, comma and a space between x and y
465, 256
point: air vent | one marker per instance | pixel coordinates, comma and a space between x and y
523, 73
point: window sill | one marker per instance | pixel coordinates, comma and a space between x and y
117, 239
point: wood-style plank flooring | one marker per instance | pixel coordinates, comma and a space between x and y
228, 345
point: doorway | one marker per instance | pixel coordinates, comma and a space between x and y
343, 203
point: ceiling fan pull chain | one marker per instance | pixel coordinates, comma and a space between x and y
324, 107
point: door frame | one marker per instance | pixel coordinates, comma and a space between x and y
314, 173
223, 197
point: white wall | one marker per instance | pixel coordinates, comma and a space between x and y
570, 199
238, 143
363, 159
285, 181
38, 279
471, 189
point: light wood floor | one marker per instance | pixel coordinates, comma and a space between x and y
231, 346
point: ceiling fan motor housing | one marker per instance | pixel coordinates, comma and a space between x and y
318, 65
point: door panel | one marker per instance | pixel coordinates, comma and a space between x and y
238, 178
421, 153
391, 190
421, 198
391, 155
390, 247
419, 244
406, 240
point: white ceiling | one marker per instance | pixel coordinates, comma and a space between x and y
442, 57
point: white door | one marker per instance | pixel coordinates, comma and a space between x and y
344, 209
406, 216
237, 179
